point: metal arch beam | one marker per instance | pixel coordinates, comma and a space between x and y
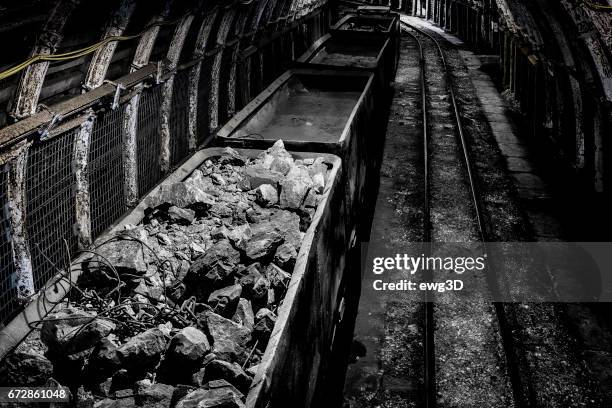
285, 6
147, 41
213, 106
279, 8
28, 90
102, 57
258, 13
172, 59
81, 144
267, 12
569, 62
194, 75
94, 78
16, 160
130, 122
588, 35
239, 29
240, 24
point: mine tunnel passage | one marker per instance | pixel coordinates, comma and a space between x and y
193, 193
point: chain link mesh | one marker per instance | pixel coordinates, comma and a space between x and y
50, 205
105, 170
148, 141
203, 93
50, 182
179, 116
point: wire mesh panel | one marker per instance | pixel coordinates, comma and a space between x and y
8, 294
105, 170
50, 205
148, 140
179, 116
203, 94
224, 79
243, 83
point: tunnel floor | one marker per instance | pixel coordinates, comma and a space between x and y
561, 353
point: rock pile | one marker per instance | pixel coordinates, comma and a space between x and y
177, 311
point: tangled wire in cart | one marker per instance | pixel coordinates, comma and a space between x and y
189, 296
112, 305
130, 316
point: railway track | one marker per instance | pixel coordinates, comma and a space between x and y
427, 44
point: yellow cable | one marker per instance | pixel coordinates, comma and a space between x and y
80, 52
595, 6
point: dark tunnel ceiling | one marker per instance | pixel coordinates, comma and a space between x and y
566, 32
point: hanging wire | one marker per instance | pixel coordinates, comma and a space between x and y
82, 51
597, 7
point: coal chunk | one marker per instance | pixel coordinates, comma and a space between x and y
25, 369
71, 330
230, 340
143, 351
214, 394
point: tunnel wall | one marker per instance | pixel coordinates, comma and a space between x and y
555, 64
83, 156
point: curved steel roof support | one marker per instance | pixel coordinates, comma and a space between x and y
147, 40
268, 13
16, 160
94, 78
589, 36
255, 23
194, 76
598, 142
284, 9
28, 90
231, 86
130, 122
82, 197
103, 56
172, 58
213, 105
569, 62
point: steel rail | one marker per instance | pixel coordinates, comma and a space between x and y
428, 329
430, 361
504, 325
461, 133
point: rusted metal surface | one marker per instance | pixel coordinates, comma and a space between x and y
24, 279
20, 130
27, 94
174, 52
355, 51
141, 58
103, 56
130, 176
258, 13
75, 115
239, 29
82, 198
589, 31
147, 40
194, 75
224, 29
352, 138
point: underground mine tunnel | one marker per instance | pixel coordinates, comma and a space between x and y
305, 203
